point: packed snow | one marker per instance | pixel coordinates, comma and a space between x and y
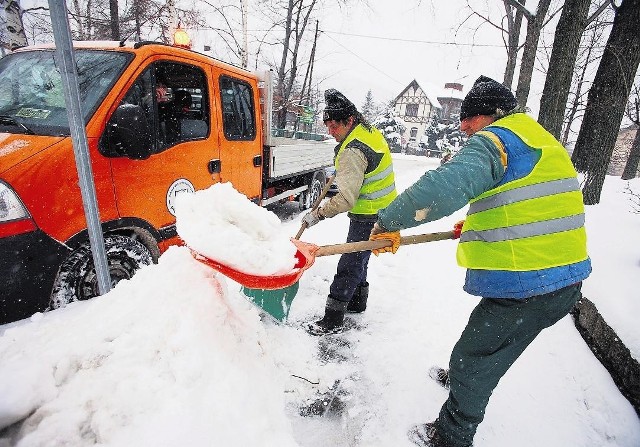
178, 356
224, 225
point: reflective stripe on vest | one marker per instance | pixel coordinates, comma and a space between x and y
378, 187
525, 193
530, 223
525, 230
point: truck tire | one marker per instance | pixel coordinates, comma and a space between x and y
308, 197
77, 279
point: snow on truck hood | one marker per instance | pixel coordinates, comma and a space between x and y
15, 148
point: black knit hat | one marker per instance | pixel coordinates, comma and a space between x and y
338, 107
487, 97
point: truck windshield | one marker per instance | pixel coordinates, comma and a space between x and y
31, 96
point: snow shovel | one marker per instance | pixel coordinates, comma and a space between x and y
275, 293
316, 204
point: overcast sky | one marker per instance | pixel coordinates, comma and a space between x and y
386, 45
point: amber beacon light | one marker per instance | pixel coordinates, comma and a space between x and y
181, 39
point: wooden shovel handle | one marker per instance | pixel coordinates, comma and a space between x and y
316, 204
351, 247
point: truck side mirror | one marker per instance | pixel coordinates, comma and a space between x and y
128, 134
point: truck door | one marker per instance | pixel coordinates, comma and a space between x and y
240, 140
175, 95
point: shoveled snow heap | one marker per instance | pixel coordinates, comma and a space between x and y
224, 225
167, 358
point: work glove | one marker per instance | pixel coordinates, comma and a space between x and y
457, 229
378, 228
312, 218
393, 236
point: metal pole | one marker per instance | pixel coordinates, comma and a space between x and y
67, 66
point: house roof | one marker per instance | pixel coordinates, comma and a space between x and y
429, 90
451, 93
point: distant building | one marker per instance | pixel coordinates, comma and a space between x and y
415, 105
621, 150
419, 102
451, 101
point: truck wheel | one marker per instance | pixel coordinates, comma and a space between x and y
308, 197
77, 279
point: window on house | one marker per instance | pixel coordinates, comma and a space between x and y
412, 110
414, 132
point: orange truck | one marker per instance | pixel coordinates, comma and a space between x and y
160, 121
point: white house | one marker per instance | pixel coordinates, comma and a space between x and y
416, 104
420, 101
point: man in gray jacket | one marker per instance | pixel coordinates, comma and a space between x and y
365, 180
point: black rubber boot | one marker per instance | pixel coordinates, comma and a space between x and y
333, 320
358, 302
440, 375
427, 435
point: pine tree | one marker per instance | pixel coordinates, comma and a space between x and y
444, 136
392, 127
369, 107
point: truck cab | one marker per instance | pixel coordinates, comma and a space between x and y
160, 121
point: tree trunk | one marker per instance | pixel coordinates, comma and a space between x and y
534, 27
514, 23
280, 86
13, 33
561, 65
607, 99
631, 168
115, 29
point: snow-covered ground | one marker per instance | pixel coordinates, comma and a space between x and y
177, 356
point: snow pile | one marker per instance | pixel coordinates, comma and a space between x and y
164, 359
224, 225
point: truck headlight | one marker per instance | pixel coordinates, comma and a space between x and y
11, 207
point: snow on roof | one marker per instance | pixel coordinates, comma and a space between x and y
431, 90
451, 93
428, 89
434, 92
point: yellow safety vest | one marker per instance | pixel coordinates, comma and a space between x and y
378, 188
531, 223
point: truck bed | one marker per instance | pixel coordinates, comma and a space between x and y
292, 156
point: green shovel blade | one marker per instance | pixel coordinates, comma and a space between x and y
275, 302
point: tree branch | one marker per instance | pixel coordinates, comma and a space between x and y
520, 7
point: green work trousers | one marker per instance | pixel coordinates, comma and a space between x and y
498, 331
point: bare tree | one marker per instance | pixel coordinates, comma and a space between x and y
607, 99
571, 27
509, 26
298, 14
514, 23
12, 33
514, 11
633, 114
573, 21
227, 22
535, 23
113, 14
589, 55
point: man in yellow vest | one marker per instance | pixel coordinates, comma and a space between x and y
365, 181
523, 244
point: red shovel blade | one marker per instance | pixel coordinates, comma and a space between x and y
304, 260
